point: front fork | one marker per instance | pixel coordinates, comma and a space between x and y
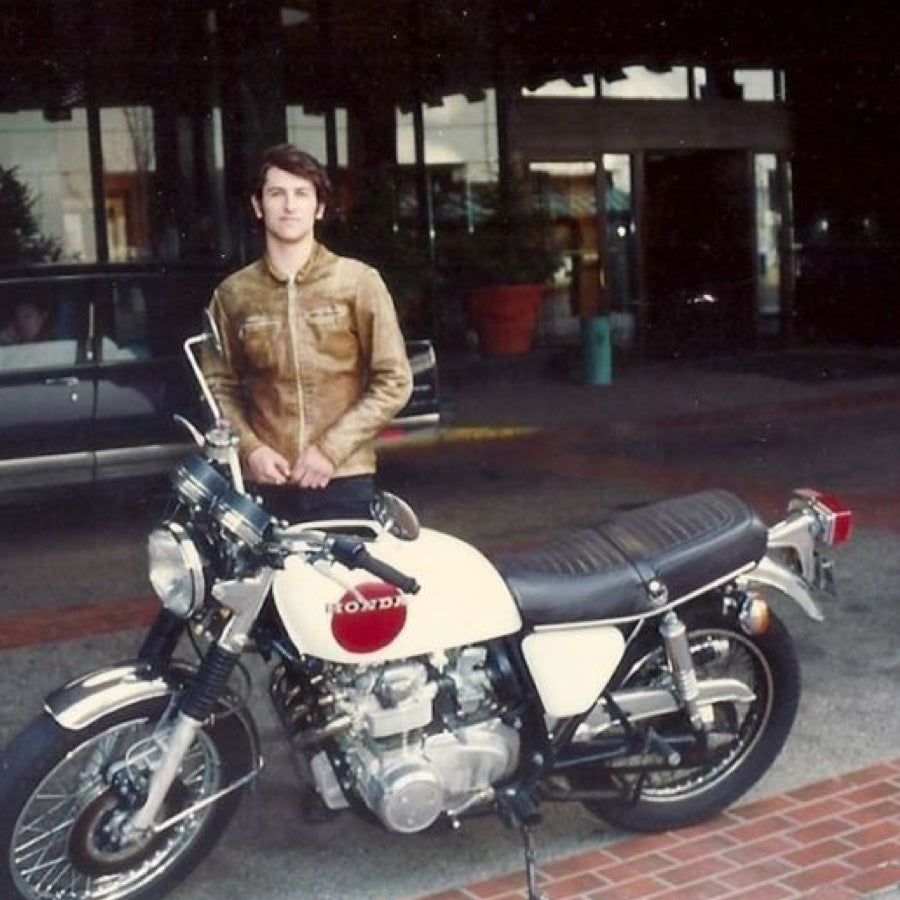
161, 640
197, 705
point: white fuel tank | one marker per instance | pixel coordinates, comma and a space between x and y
462, 600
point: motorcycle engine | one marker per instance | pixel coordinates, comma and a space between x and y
407, 762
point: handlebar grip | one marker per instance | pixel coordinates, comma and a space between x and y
388, 573
354, 555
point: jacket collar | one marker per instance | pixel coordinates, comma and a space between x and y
316, 257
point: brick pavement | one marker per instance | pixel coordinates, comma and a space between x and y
834, 840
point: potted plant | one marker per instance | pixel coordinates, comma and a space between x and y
503, 266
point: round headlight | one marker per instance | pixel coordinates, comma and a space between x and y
176, 572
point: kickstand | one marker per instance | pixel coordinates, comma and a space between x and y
530, 865
518, 809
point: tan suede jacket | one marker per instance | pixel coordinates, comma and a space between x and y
315, 360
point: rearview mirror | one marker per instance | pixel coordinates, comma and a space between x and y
396, 516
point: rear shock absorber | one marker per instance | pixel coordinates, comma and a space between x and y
681, 664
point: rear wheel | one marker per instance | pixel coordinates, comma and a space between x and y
61, 805
745, 738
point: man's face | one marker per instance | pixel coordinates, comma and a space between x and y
288, 207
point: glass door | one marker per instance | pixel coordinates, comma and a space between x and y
589, 207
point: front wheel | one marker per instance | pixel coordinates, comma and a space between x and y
60, 805
743, 742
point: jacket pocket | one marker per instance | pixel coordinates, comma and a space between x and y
330, 328
262, 341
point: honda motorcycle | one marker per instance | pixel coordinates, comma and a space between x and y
634, 667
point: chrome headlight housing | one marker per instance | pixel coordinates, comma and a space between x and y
175, 568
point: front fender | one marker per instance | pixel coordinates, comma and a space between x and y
769, 573
86, 699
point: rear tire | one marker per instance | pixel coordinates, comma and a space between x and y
685, 796
56, 804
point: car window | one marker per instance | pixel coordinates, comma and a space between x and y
128, 337
39, 355
39, 327
151, 315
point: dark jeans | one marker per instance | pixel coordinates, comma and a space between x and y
342, 498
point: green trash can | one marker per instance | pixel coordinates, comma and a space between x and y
596, 349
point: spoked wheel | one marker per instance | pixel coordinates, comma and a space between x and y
65, 796
744, 738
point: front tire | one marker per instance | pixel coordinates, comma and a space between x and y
713, 778
57, 809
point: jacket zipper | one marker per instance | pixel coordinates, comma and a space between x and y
293, 314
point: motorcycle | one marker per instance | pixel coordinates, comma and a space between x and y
635, 667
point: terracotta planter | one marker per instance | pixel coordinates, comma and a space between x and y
505, 317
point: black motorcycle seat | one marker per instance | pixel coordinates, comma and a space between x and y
605, 572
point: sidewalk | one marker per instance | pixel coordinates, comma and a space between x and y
543, 389
834, 840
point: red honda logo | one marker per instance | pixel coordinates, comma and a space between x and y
368, 619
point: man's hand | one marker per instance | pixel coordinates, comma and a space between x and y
313, 469
266, 466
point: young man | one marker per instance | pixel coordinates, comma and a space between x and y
313, 362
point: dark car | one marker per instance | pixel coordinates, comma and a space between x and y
92, 372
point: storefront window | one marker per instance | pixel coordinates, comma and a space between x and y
768, 245
619, 262
758, 84
641, 83
578, 86
739, 84
47, 163
129, 170
567, 193
461, 157
308, 132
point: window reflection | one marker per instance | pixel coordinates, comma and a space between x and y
461, 156
768, 242
50, 159
129, 167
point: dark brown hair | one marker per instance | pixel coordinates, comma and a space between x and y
298, 162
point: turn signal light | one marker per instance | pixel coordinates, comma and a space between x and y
836, 519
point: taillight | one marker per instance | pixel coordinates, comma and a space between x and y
835, 518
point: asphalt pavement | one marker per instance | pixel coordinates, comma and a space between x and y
527, 452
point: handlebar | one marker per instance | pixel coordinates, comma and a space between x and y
352, 553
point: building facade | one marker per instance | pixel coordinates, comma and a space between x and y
716, 175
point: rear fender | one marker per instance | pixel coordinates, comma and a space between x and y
774, 575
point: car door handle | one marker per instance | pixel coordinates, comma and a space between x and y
69, 381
